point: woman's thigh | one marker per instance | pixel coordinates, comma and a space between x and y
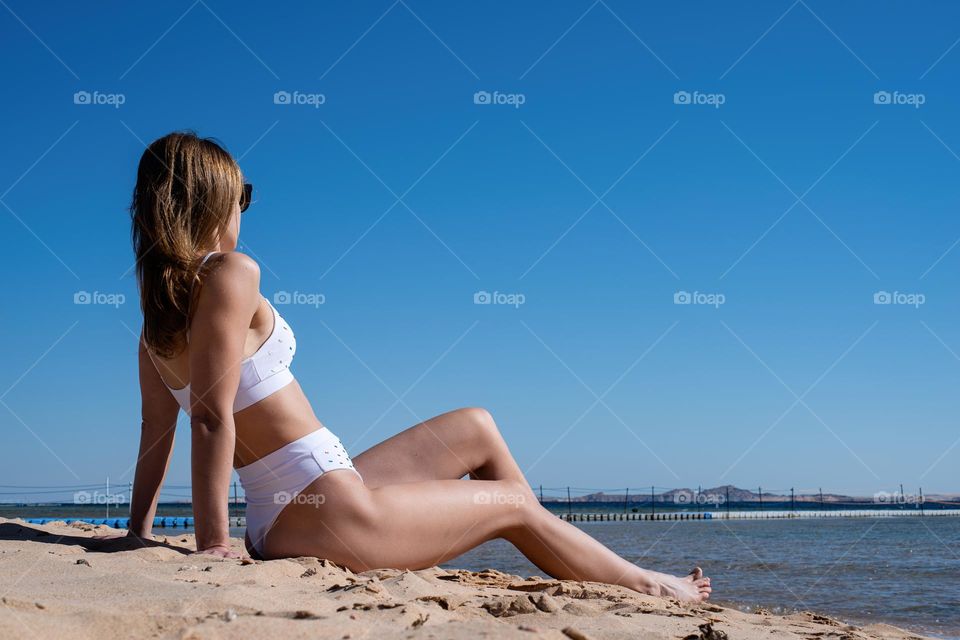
446, 447
411, 525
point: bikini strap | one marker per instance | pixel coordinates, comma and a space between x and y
205, 258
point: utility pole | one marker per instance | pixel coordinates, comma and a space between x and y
728, 502
821, 498
653, 503
568, 503
760, 493
626, 499
921, 501
793, 506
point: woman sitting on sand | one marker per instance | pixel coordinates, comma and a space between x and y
213, 346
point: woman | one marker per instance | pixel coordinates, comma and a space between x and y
213, 346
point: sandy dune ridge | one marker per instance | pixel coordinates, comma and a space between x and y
57, 581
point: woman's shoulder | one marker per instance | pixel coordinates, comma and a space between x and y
232, 263
232, 275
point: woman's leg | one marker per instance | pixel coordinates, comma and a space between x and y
447, 447
420, 524
565, 551
467, 441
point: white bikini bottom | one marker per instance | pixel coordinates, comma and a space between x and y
276, 480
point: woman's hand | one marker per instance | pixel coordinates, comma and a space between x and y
112, 536
124, 541
129, 534
219, 550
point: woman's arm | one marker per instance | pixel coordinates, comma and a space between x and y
226, 304
159, 422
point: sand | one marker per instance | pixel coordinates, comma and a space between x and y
57, 581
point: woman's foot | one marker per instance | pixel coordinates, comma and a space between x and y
690, 588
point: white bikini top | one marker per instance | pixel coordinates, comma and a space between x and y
262, 374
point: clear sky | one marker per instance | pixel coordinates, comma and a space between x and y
622, 154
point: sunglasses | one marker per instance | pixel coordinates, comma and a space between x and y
246, 197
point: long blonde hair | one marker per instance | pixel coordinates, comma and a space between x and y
186, 190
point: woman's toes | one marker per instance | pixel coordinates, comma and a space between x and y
696, 574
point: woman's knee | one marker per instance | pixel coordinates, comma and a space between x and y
524, 509
521, 496
480, 423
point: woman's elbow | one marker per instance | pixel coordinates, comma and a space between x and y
210, 421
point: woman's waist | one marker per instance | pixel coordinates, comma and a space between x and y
271, 424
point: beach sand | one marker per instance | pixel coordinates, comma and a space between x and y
56, 581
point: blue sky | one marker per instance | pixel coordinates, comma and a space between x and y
597, 200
